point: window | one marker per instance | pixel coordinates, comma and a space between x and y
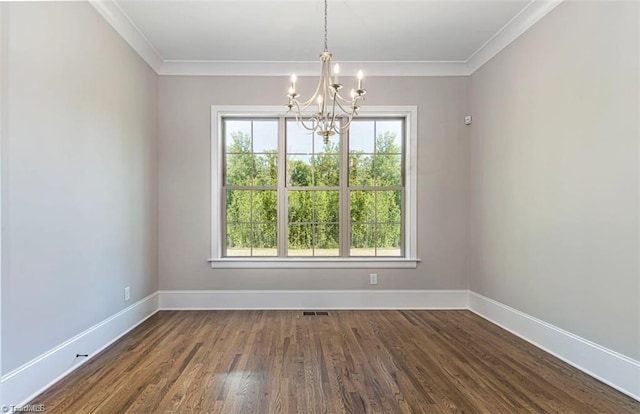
250, 171
282, 197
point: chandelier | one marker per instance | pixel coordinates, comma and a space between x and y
332, 107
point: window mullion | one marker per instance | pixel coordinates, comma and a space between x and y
375, 194
344, 194
282, 194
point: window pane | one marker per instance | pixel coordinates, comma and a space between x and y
327, 170
300, 240
265, 240
238, 240
239, 169
362, 206
326, 240
326, 206
266, 169
388, 239
265, 136
299, 140
387, 170
299, 171
237, 136
388, 206
360, 170
265, 206
362, 240
389, 137
300, 206
238, 206
361, 134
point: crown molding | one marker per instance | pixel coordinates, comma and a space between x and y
112, 13
519, 24
265, 68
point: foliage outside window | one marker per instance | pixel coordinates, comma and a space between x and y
330, 211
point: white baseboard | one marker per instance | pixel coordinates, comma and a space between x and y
610, 367
313, 299
26, 382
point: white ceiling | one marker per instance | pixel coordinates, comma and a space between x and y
412, 37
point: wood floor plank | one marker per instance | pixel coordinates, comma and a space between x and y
346, 362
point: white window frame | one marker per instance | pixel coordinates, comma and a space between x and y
409, 113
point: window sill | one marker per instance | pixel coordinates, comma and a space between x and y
324, 263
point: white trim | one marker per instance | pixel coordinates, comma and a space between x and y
24, 383
411, 182
4, 40
409, 112
312, 263
310, 68
312, 299
519, 24
610, 367
116, 17
112, 13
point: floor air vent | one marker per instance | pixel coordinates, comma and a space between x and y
316, 313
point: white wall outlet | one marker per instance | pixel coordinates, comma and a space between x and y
373, 279
467, 120
127, 293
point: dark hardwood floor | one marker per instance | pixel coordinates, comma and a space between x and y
346, 362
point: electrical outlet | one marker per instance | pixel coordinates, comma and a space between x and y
127, 293
373, 279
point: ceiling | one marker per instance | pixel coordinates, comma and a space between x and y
273, 37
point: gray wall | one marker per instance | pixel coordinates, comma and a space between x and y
185, 184
554, 173
79, 174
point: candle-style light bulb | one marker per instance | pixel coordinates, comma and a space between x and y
294, 78
353, 93
336, 73
360, 76
319, 100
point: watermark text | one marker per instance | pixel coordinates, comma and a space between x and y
29, 408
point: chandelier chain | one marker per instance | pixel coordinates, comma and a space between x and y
326, 48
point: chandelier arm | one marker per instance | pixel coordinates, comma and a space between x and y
311, 128
305, 105
308, 102
350, 111
337, 129
308, 128
343, 99
341, 107
333, 114
345, 126
348, 122
300, 119
298, 111
312, 98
